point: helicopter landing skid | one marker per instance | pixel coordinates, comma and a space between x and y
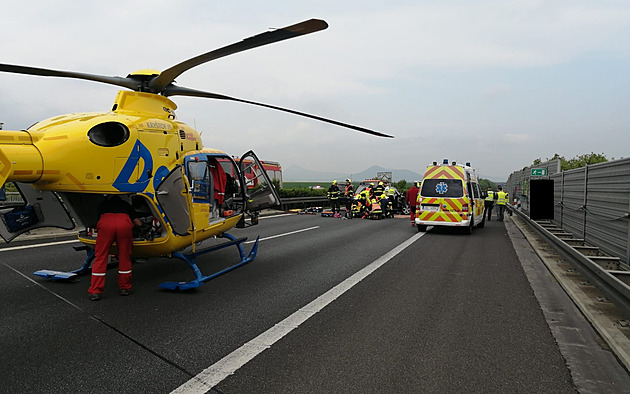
191, 260
61, 275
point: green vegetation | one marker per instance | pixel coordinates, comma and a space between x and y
484, 184
578, 161
10, 187
301, 189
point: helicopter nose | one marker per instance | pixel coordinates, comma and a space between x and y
20, 160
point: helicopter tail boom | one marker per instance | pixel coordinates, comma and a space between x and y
26, 163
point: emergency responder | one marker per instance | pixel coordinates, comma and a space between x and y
348, 194
333, 196
391, 194
502, 200
379, 189
361, 202
411, 198
370, 189
116, 221
489, 203
383, 202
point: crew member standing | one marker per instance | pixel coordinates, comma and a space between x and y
489, 203
379, 189
349, 196
411, 198
115, 224
333, 196
502, 200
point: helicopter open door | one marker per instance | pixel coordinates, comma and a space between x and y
170, 196
261, 194
30, 210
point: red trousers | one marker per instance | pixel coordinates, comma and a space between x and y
112, 227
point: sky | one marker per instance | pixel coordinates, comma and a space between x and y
495, 83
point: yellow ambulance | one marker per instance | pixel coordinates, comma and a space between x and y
450, 196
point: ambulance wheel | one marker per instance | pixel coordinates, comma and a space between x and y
483, 223
421, 228
469, 230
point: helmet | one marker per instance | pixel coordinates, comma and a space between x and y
348, 180
417, 183
371, 183
380, 183
335, 182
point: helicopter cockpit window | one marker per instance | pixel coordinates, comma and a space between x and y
200, 180
108, 134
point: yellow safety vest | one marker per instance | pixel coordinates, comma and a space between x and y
502, 198
490, 196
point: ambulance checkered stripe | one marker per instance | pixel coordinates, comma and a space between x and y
444, 172
453, 212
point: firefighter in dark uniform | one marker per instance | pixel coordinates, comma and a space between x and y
349, 196
333, 196
116, 221
379, 189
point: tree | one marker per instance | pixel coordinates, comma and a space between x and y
484, 184
583, 160
400, 185
578, 161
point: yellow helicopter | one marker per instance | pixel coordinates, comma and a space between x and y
64, 167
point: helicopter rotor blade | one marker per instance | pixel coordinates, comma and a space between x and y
118, 81
173, 90
167, 76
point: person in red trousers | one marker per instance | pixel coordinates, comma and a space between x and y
115, 224
411, 198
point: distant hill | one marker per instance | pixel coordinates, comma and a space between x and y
296, 173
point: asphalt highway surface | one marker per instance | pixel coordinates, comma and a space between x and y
327, 306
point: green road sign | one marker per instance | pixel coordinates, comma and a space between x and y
539, 172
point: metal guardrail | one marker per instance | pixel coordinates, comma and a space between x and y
12, 199
613, 288
303, 202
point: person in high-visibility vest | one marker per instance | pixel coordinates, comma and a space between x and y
489, 203
502, 200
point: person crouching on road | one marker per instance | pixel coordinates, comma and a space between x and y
115, 224
411, 198
489, 203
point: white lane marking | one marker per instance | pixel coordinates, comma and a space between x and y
276, 216
228, 365
38, 245
40, 285
283, 234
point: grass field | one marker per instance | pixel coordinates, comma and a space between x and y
300, 185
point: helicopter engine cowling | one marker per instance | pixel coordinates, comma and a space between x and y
20, 160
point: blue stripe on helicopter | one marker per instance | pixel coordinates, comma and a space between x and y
138, 152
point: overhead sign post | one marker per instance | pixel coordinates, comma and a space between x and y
384, 176
539, 172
